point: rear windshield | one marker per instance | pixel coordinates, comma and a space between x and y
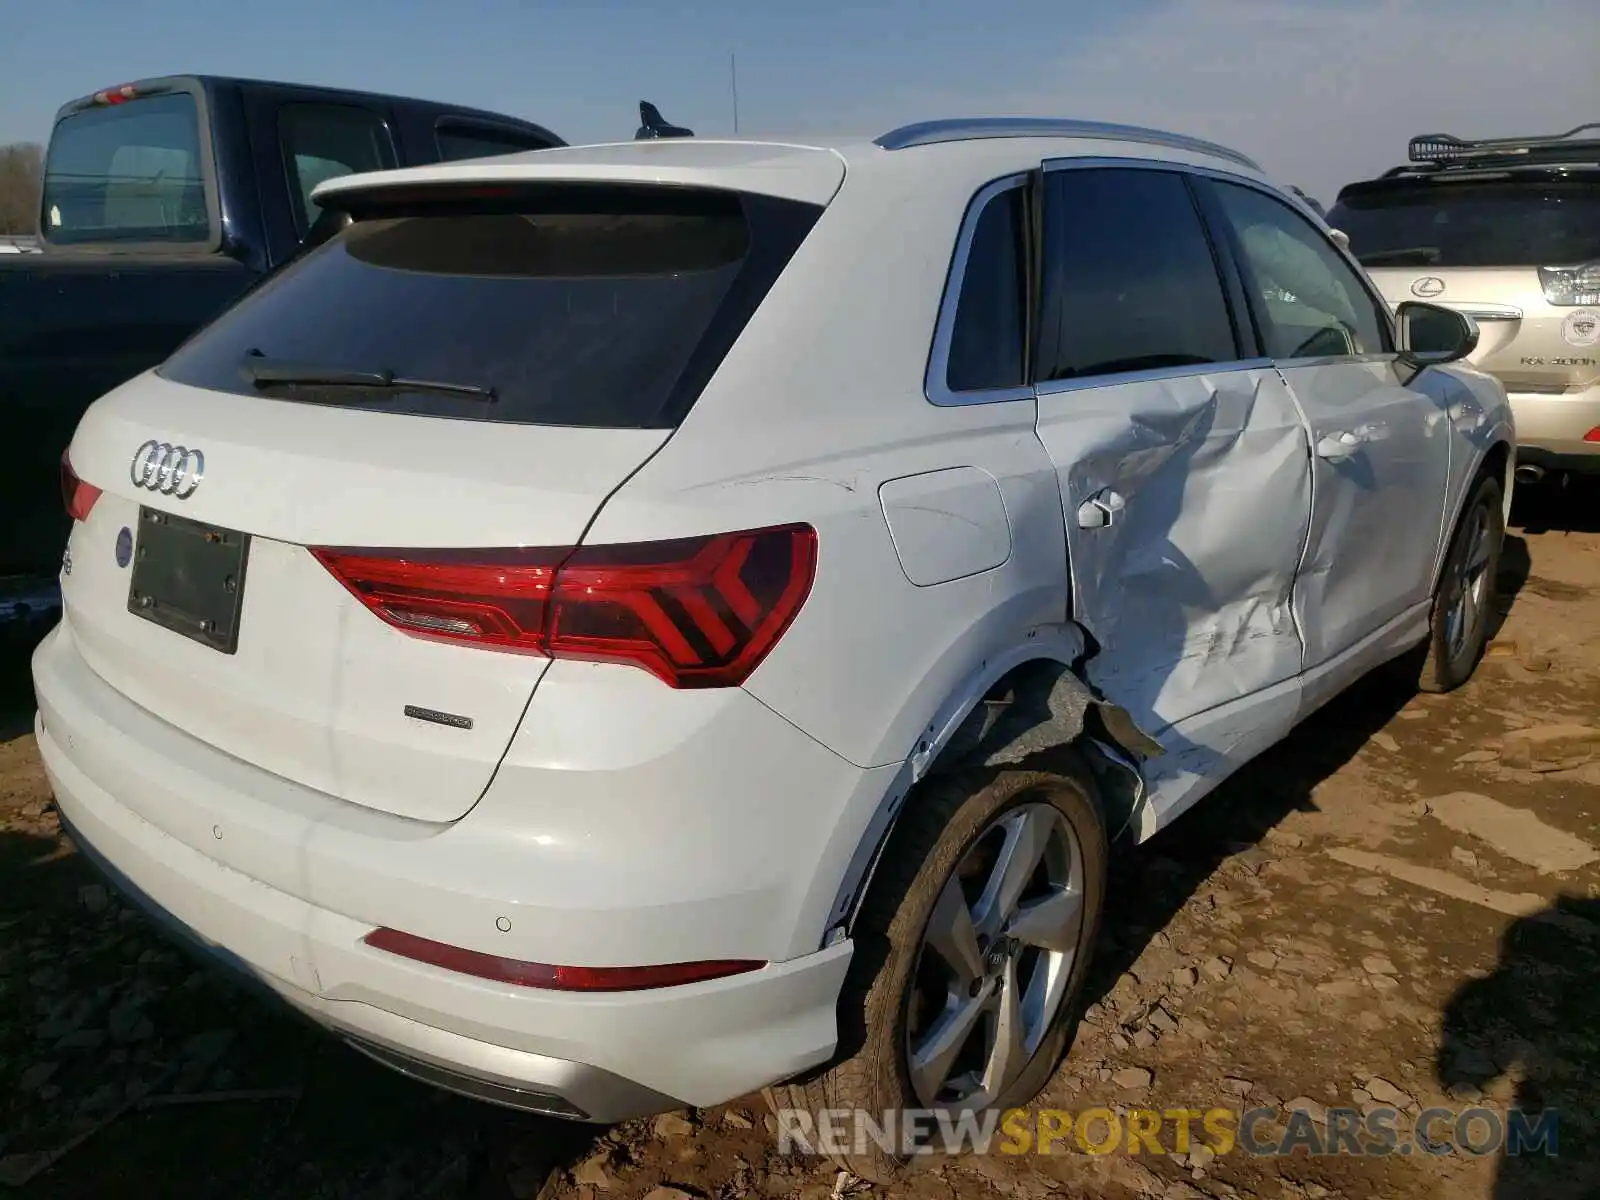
127, 172
581, 305
1503, 223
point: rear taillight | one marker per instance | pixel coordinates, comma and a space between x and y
696, 612
554, 978
1593, 435
78, 496
495, 598
1571, 286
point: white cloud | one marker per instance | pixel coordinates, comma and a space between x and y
1323, 93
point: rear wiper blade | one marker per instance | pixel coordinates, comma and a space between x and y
1425, 254
269, 372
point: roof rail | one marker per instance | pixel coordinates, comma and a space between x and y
1445, 147
1410, 169
930, 133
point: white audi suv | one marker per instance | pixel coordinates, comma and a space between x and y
620, 627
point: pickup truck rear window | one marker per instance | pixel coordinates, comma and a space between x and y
1499, 223
128, 172
458, 140
589, 305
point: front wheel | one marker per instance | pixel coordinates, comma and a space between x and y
1464, 600
971, 951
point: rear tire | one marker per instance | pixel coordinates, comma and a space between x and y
1464, 600
885, 1007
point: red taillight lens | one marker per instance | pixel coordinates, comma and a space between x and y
116, 95
543, 975
698, 612
76, 495
695, 613
490, 597
1593, 435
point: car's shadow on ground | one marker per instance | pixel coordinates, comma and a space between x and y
1566, 504
102, 1005
1153, 884
1533, 1019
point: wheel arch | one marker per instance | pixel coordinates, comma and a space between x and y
1024, 701
1499, 459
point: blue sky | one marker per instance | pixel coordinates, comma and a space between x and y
1320, 90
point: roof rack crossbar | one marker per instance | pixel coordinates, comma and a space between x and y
929, 133
1446, 147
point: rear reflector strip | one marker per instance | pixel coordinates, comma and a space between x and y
553, 978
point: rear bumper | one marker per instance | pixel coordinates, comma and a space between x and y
603, 1057
513, 1079
1551, 429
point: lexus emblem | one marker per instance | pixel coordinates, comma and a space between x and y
170, 470
1428, 286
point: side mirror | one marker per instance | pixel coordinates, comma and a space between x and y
1341, 237
1431, 335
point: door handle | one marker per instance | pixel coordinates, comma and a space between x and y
1101, 509
1340, 445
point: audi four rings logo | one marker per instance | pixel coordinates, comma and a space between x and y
1429, 285
171, 470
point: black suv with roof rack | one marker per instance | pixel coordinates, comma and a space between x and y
1506, 230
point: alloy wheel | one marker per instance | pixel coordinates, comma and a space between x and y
1469, 589
995, 960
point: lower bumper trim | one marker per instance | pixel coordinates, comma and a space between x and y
522, 1099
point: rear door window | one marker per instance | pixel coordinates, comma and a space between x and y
462, 139
1462, 223
589, 305
1130, 280
128, 172
325, 141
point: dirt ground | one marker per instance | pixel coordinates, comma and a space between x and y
1398, 906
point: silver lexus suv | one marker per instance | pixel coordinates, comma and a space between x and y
1508, 231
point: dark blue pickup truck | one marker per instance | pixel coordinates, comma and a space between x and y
163, 201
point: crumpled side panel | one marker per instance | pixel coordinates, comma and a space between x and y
1045, 707
1188, 593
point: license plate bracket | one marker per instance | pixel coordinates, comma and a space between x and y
189, 577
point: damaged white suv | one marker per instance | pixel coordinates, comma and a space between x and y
619, 627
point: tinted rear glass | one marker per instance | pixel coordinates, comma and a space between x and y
458, 141
986, 342
1504, 223
574, 305
1130, 282
127, 172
